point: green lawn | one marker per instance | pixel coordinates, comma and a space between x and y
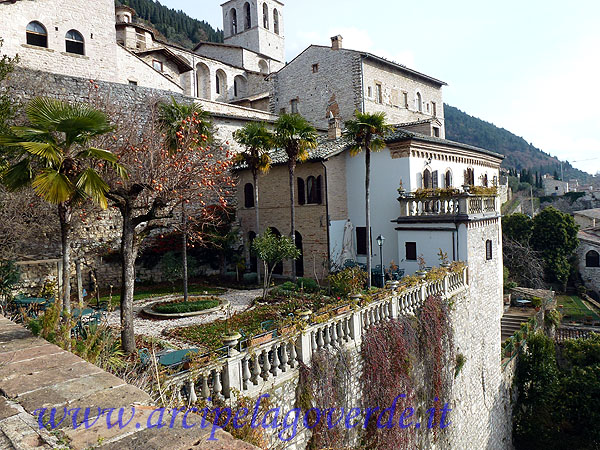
574, 309
143, 292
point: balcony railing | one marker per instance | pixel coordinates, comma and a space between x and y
456, 205
255, 369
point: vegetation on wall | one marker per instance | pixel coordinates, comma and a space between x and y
176, 26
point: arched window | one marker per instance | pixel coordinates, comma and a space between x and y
300, 261
448, 179
419, 102
592, 259
484, 180
248, 195
427, 184
488, 250
239, 86
74, 42
263, 66
203, 81
313, 190
233, 15
37, 35
221, 82
265, 16
470, 177
276, 21
247, 17
301, 192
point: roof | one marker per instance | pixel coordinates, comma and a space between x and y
591, 213
181, 63
368, 55
253, 98
236, 47
399, 135
591, 235
328, 148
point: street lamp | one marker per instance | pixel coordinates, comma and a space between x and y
380, 240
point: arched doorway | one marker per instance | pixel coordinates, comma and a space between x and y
300, 261
203, 81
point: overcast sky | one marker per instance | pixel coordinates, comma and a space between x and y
530, 66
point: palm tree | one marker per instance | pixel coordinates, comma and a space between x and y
53, 155
296, 136
367, 132
172, 117
258, 141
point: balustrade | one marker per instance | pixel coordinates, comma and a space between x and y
446, 206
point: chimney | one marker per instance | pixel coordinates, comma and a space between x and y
335, 128
336, 42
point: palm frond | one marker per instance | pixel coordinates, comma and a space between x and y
93, 186
53, 186
18, 175
46, 151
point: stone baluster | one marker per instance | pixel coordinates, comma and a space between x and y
255, 369
293, 355
313, 341
245, 373
346, 328
340, 332
266, 366
275, 363
217, 386
320, 340
284, 357
326, 338
205, 391
333, 335
192, 397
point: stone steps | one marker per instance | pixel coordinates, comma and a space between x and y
35, 374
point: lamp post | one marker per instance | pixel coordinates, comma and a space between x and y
380, 240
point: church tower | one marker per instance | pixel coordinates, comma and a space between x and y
256, 25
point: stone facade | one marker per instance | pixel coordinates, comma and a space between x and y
587, 259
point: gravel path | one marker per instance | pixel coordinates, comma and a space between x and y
239, 300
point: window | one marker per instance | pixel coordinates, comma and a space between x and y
427, 184
370, 92
220, 79
248, 195
37, 35
74, 42
158, 65
427, 107
247, 17
301, 192
484, 181
265, 16
419, 102
405, 99
592, 259
132, 83
233, 14
436, 131
411, 251
448, 179
434, 109
378, 93
361, 240
263, 66
294, 105
313, 190
276, 21
282, 111
435, 179
488, 250
315, 68
470, 177
235, 88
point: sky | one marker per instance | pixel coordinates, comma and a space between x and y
530, 66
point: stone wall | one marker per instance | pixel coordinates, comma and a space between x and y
589, 275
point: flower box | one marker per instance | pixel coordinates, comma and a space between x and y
261, 339
342, 310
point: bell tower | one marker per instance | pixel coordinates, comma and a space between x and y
256, 25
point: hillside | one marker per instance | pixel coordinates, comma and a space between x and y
520, 154
175, 26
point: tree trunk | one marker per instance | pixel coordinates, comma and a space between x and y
129, 249
255, 176
184, 252
64, 216
368, 211
292, 171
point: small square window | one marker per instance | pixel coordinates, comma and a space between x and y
411, 251
370, 92
294, 106
405, 94
133, 83
436, 131
158, 65
315, 68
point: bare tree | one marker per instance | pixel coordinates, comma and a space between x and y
525, 265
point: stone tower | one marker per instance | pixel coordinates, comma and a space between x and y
256, 25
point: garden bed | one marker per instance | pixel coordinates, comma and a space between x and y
144, 291
176, 309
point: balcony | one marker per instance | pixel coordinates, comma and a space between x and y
443, 204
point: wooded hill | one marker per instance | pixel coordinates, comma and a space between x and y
175, 26
520, 154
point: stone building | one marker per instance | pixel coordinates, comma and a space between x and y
330, 194
588, 218
588, 257
324, 82
554, 187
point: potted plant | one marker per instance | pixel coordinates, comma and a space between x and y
401, 190
231, 337
421, 273
444, 259
303, 314
537, 303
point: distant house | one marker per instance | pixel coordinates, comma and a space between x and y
588, 218
554, 187
588, 256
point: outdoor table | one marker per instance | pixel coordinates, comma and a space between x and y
33, 303
176, 357
521, 302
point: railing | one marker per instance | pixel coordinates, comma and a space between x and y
251, 371
460, 204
